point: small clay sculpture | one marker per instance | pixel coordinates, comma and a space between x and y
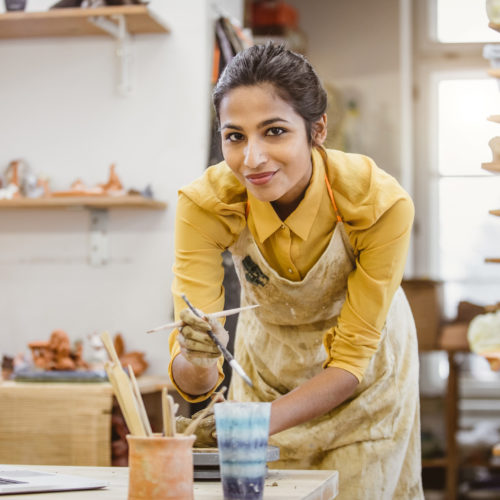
133, 358
56, 353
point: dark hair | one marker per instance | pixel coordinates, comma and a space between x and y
291, 74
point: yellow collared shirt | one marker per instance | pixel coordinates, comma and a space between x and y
377, 214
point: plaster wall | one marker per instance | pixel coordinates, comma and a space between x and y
61, 113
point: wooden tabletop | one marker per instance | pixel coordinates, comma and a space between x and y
289, 484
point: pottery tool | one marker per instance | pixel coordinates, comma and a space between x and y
215, 399
140, 403
122, 389
219, 314
227, 355
169, 409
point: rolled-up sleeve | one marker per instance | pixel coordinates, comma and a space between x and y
381, 252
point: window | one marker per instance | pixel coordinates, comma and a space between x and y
456, 232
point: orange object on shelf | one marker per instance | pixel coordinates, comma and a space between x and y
274, 13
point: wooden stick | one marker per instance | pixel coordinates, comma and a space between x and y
123, 389
220, 314
192, 426
168, 413
140, 402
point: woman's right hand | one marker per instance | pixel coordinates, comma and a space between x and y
196, 345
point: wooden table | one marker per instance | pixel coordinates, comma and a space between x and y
289, 484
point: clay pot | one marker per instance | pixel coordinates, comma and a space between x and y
160, 468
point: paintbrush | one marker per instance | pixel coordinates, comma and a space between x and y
227, 355
192, 426
219, 314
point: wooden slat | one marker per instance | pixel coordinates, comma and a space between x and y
434, 462
492, 260
74, 22
495, 212
127, 201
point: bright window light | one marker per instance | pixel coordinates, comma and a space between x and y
463, 21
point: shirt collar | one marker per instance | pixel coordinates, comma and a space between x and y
301, 220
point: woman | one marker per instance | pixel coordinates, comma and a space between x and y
319, 239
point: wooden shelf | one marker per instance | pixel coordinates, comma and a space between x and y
75, 22
494, 26
495, 212
494, 118
491, 167
127, 201
494, 260
495, 72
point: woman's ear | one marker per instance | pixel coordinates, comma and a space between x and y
319, 130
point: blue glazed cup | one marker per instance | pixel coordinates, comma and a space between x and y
242, 434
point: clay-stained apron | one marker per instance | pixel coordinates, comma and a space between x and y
372, 439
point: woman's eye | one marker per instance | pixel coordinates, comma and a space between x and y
276, 131
234, 137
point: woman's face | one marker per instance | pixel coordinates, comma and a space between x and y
264, 142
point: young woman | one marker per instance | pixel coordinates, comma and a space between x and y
319, 239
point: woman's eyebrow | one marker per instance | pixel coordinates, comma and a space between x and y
264, 123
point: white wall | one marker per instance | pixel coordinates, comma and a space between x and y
60, 111
354, 45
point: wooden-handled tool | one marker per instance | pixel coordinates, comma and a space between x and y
219, 314
192, 426
122, 389
227, 355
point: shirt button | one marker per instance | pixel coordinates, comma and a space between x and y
282, 226
290, 270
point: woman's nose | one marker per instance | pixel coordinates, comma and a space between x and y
255, 155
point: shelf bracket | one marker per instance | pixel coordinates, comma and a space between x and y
98, 244
119, 31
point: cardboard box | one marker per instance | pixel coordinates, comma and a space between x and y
426, 302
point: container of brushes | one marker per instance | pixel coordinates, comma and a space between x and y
160, 467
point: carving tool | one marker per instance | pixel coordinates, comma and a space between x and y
219, 314
122, 389
140, 403
216, 398
168, 412
227, 355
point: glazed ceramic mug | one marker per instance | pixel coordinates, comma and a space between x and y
242, 435
160, 468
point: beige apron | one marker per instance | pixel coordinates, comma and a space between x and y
373, 438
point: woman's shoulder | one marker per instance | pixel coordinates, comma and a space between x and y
217, 189
362, 190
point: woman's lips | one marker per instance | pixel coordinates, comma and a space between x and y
259, 179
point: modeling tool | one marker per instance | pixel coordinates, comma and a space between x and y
215, 399
140, 403
227, 355
122, 389
219, 314
168, 412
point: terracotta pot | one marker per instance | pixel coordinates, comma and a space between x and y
160, 468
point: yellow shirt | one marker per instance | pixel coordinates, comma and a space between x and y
377, 215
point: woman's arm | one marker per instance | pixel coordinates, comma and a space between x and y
191, 379
313, 398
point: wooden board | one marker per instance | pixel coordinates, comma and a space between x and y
492, 260
495, 212
126, 201
282, 484
74, 22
